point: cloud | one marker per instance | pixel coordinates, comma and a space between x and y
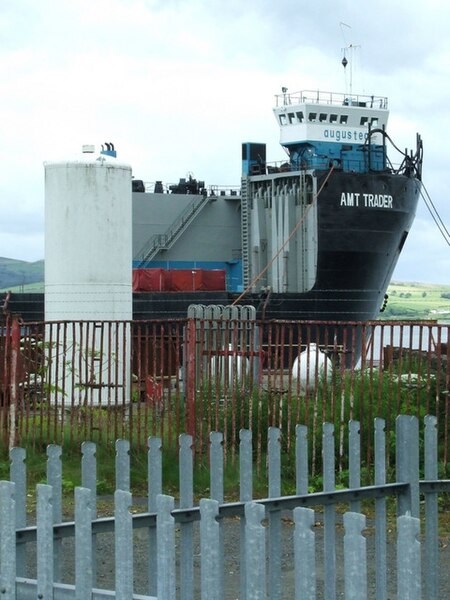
178, 85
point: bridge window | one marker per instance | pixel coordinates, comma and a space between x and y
343, 120
291, 117
333, 118
299, 116
364, 120
312, 117
322, 117
282, 119
374, 121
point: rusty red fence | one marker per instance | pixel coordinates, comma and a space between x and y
64, 382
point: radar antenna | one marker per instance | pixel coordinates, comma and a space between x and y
348, 49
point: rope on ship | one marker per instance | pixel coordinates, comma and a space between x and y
410, 165
435, 215
280, 250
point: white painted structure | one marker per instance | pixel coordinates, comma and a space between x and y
88, 229
311, 366
88, 272
329, 117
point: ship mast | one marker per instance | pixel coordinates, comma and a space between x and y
348, 50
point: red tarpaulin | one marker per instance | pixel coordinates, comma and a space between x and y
178, 280
148, 280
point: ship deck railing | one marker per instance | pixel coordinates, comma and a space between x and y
331, 98
212, 190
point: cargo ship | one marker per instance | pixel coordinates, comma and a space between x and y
315, 236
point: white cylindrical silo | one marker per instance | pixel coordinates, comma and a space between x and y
88, 276
88, 249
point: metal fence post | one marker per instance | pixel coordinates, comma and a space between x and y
431, 510
186, 529
329, 511
54, 478
380, 512
212, 563
355, 557
123, 465
123, 543
301, 459
304, 554
89, 481
245, 495
255, 551
154, 482
274, 579
407, 461
18, 475
44, 537
8, 541
216, 486
84, 547
408, 558
166, 548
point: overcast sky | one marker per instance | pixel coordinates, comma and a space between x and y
177, 85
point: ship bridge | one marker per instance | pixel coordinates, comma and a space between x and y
319, 128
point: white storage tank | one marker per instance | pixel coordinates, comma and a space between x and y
311, 367
88, 228
88, 276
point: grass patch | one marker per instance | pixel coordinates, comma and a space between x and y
417, 301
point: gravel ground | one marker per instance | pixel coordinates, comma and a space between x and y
105, 560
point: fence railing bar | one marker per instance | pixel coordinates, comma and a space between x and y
437, 485
26, 590
232, 509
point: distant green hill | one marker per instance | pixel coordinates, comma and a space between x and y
416, 301
17, 274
